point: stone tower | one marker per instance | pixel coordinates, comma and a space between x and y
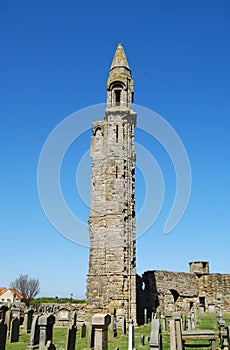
111, 282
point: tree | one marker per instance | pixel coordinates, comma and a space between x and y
27, 286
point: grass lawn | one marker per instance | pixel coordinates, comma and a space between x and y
206, 321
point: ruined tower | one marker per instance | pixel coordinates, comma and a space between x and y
111, 282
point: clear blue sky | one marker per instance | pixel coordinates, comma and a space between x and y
55, 58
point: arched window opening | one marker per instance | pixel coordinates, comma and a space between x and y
117, 96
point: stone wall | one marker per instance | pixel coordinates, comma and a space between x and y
167, 291
215, 288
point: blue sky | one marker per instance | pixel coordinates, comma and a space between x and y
55, 59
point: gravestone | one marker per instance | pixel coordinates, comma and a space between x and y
100, 323
15, 312
113, 327
3, 310
8, 319
145, 316
46, 323
155, 335
124, 325
28, 318
3, 333
131, 337
193, 320
71, 333
14, 330
163, 319
189, 319
172, 335
34, 335
83, 330
142, 340
91, 336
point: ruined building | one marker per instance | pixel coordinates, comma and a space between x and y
111, 282
168, 291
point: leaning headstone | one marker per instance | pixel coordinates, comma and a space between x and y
83, 330
14, 330
155, 336
131, 337
71, 333
3, 333
100, 323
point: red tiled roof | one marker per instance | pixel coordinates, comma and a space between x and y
15, 291
2, 290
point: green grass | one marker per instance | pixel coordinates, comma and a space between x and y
206, 321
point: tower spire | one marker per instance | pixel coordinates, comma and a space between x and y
119, 59
120, 86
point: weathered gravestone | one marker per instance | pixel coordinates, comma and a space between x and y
100, 323
46, 323
131, 337
8, 319
163, 319
34, 335
3, 333
142, 340
113, 327
172, 335
71, 333
3, 310
155, 335
28, 318
83, 330
14, 330
145, 316
124, 325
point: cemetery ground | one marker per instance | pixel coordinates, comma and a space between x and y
205, 321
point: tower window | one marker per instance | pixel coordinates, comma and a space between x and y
117, 97
116, 172
116, 133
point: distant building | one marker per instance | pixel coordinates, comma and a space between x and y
10, 295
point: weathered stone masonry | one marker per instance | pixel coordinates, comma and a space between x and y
111, 283
170, 291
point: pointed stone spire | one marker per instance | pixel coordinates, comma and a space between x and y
119, 59
120, 86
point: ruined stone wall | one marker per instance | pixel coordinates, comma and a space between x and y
215, 288
166, 292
